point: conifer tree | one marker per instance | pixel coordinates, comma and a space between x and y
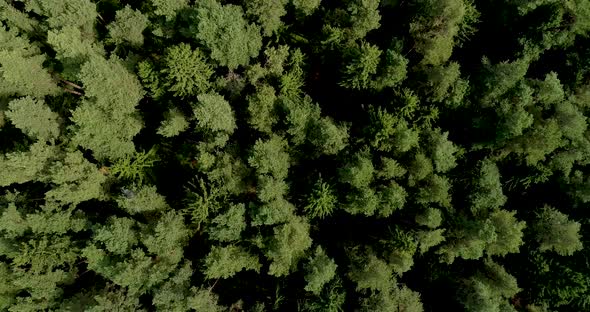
556, 233
187, 72
288, 246
128, 27
34, 118
226, 33
112, 95
320, 270
224, 262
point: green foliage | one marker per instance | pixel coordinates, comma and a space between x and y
467, 241
370, 272
443, 151
444, 82
363, 65
487, 193
509, 233
137, 137
229, 225
150, 78
555, 232
204, 300
391, 198
488, 290
118, 236
288, 246
75, 180
34, 118
270, 189
300, 114
390, 169
363, 201
363, 17
142, 199
398, 299
267, 13
113, 94
214, 113
169, 8
358, 172
114, 300
225, 262
269, 157
78, 13
322, 201
393, 72
320, 270
173, 124
328, 137
73, 49
128, 27
261, 107
420, 168
306, 7
275, 212
187, 71
22, 167
22, 74
226, 34
134, 167
431, 217
438, 25
429, 239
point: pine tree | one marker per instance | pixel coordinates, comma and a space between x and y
288, 246
362, 66
555, 232
112, 95
270, 157
320, 270
261, 107
128, 27
22, 167
489, 289
22, 74
437, 26
169, 8
306, 7
267, 13
214, 114
358, 172
322, 201
34, 118
76, 180
173, 124
186, 70
225, 262
228, 226
226, 34
509, 233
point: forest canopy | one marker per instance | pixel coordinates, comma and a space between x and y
294, 155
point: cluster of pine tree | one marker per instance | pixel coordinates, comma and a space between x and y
294, 155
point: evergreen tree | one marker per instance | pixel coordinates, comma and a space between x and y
556, 233
34, 118
128, 27
112, 95
226, 34
287, 246
224, 262
320, 270
187, 72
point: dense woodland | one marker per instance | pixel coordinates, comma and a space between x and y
294, 155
